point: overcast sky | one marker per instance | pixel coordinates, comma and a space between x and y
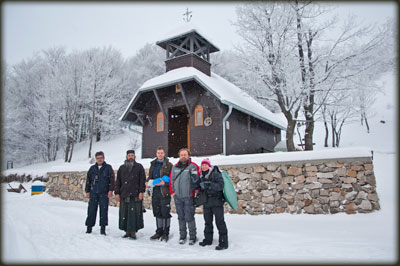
31, 27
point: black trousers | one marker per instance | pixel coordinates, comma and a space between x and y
161, 205
161, 210
211, 210
95, 200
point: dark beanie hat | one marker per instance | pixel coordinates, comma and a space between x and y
130, 151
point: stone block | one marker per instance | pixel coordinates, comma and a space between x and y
309, 174
349, 180
325, 180
292, 208
295, 171
334, 196
324, 192
288, 179
300, 179
341, 171
311, 168
325, 175
311, 179
277, 174
259, 169
365, 205
373, 197
370, 179
243, 176
351, 195
362, 195
313, 185
368, 166
298, 186
351, 173
280, 210
309, 209
267, 176
268, 199
357, 167
272, 167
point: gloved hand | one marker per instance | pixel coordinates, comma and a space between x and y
205, 185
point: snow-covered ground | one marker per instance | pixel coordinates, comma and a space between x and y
41, 228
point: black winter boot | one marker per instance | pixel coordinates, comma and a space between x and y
89, 230
103, 230
223, 242
205, 243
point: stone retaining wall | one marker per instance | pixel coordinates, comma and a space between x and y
314, 187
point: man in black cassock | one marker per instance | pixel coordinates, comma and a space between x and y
129, 190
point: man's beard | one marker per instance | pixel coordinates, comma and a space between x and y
129, 163
184, 160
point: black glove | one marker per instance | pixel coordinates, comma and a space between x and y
205, 185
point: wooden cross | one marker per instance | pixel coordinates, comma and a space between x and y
187, 13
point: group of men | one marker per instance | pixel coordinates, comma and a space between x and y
184, 180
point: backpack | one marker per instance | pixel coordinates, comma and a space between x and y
229, 191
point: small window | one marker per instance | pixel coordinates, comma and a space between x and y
198, 112
177, 89
160, 122
275, 135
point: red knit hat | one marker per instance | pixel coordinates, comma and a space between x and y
206, 161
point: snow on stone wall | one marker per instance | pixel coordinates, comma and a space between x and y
315, 187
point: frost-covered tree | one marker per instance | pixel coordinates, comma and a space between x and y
303, 54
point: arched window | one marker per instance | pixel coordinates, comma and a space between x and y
160, 122
198, 115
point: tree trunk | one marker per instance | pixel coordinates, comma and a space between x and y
70, 154
67, 148
289, 135
366, 122
301, 141
326, 134
92, 122
308, 137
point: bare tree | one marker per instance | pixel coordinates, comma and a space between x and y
266, 29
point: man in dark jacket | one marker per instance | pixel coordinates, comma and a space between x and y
129, 190
99, 186
159, 171
212, 183
184, 176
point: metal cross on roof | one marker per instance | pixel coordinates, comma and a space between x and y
187, 13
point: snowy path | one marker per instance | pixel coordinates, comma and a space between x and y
45, 229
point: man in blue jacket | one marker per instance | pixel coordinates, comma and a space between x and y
99, 188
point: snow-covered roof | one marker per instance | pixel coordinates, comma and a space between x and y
225, 91
183, 30
38, 183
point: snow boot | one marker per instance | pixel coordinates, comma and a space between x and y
155, 237
182, 241
221, 246
192, 240
127, 234
133, 235
103, 230
89, 230
164, 238
223, 242
205, 243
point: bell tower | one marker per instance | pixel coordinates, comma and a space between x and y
188, 48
